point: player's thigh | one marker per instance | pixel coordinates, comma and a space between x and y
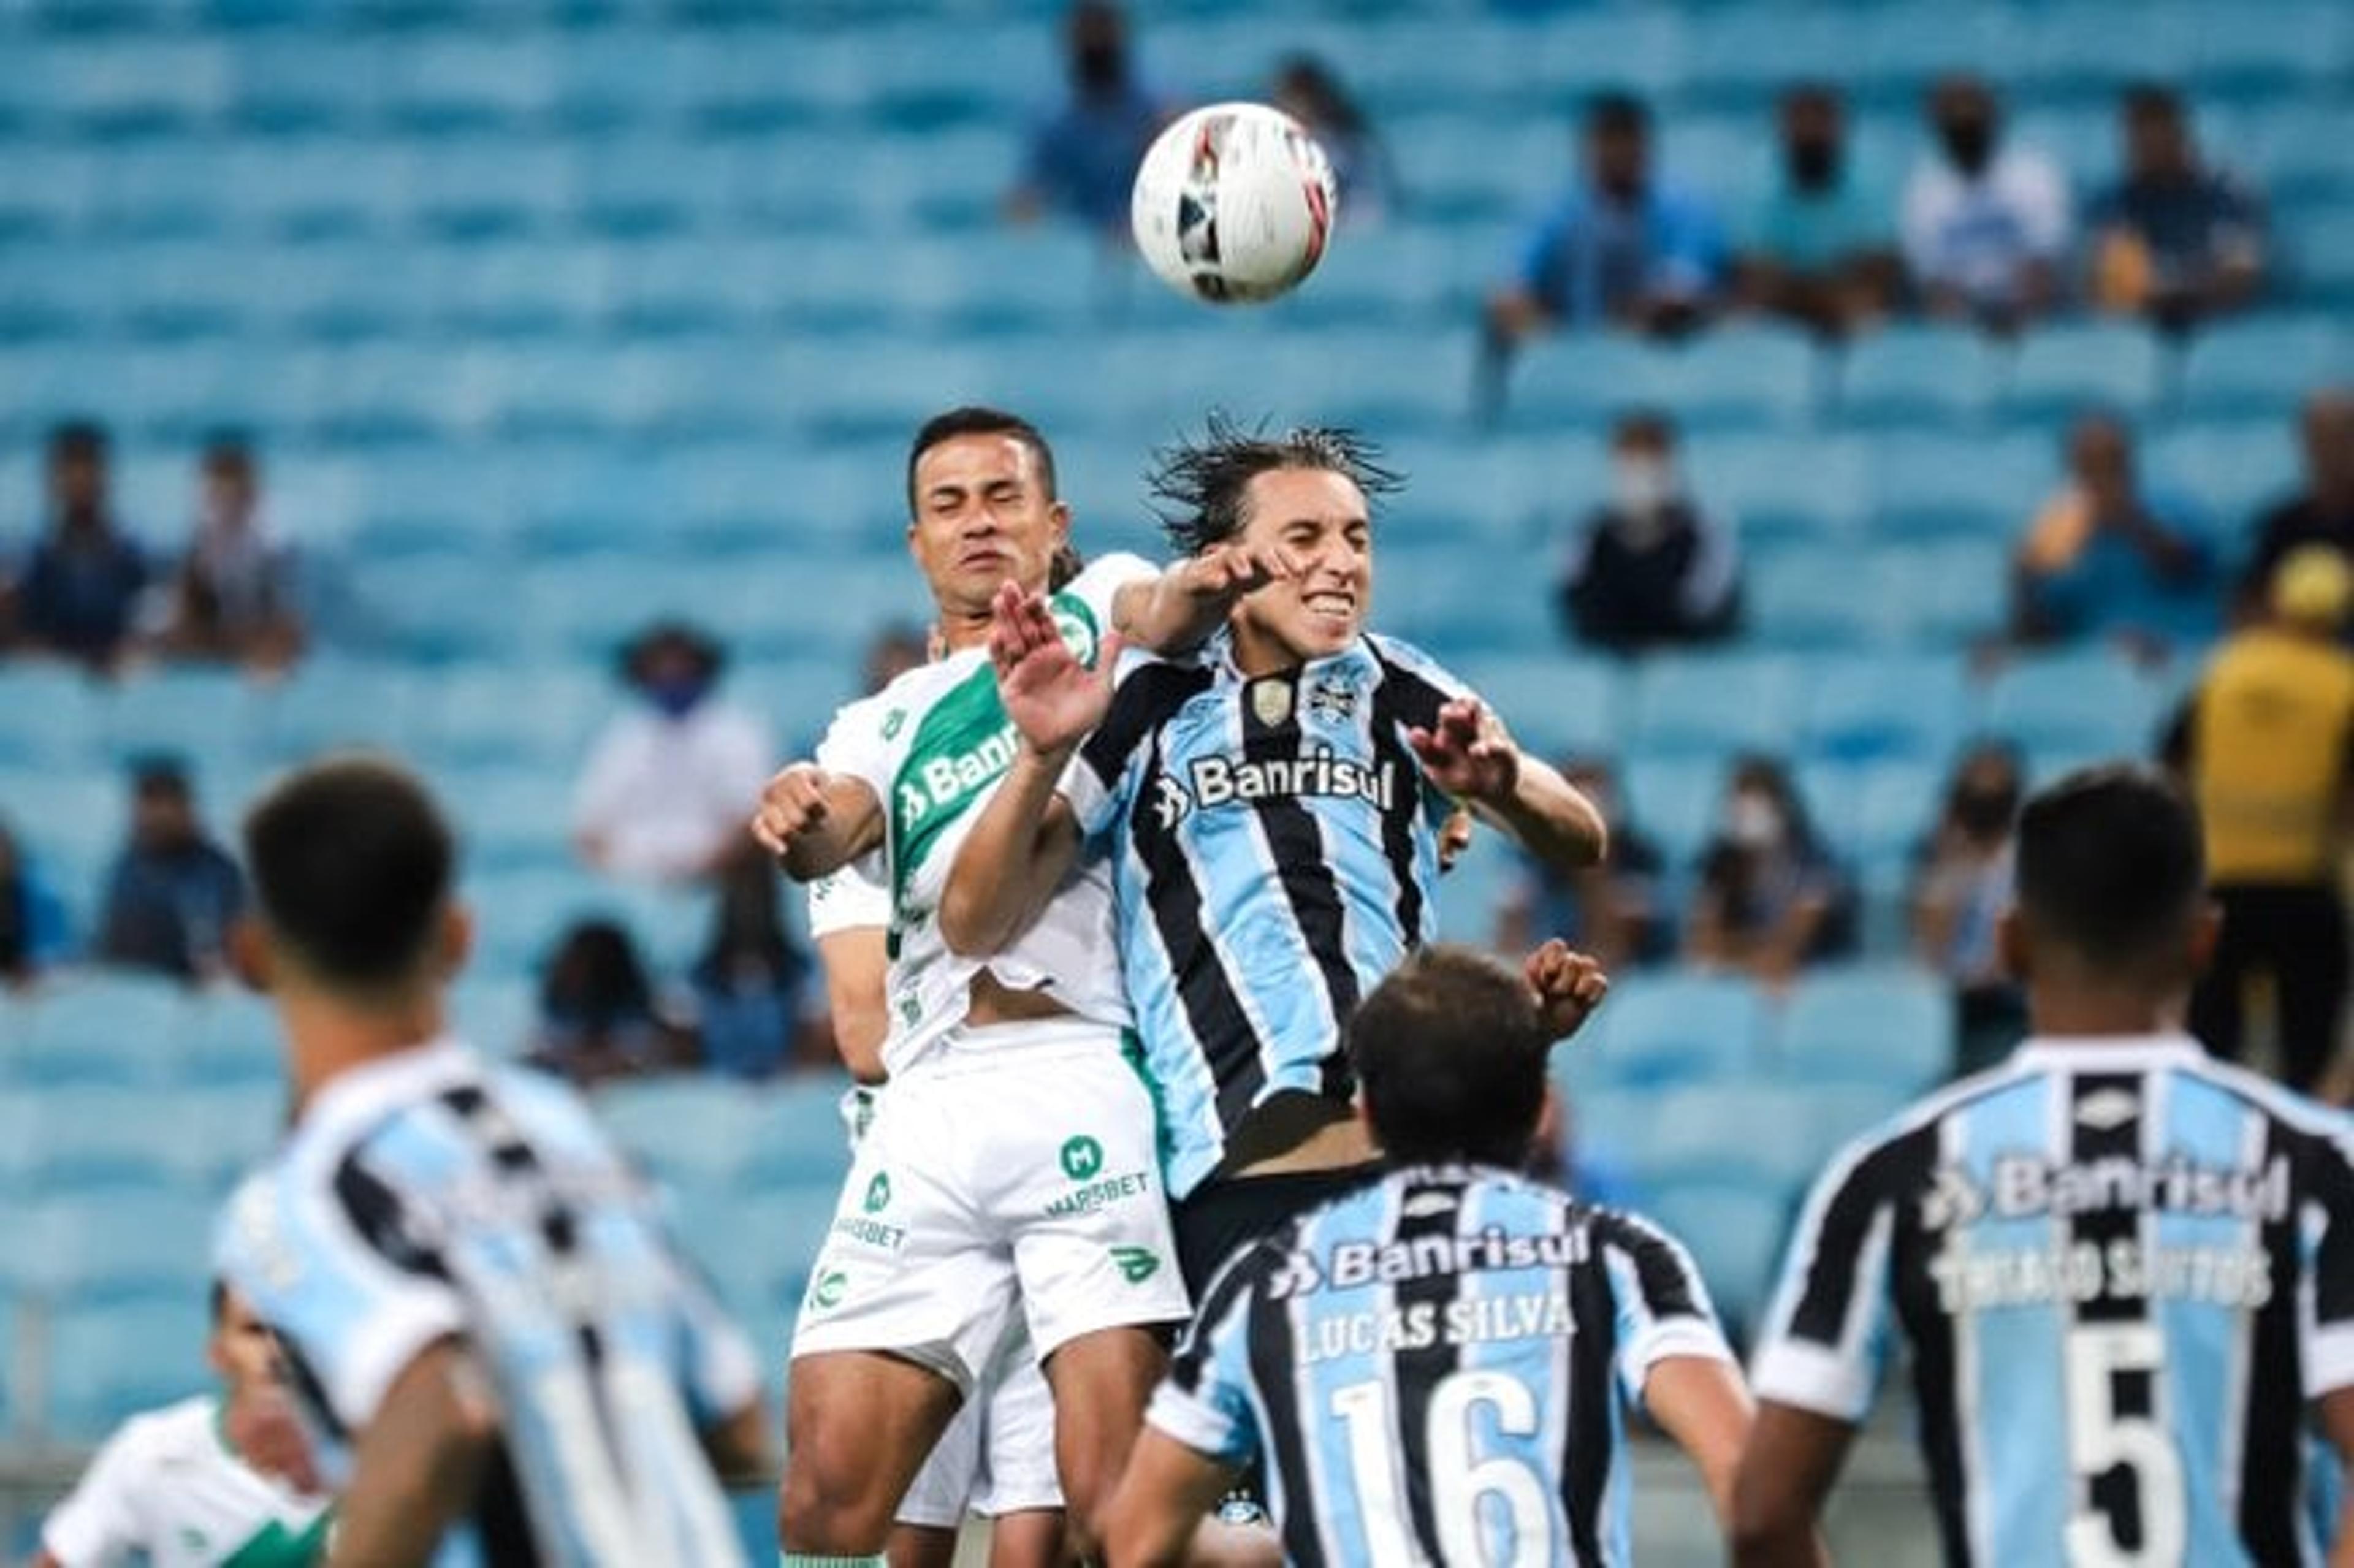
909, 1267
857, 1426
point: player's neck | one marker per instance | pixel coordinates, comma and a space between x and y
329, 1036
961, 632
2080, 1013
1256, 653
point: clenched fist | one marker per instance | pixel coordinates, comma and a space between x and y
793, 803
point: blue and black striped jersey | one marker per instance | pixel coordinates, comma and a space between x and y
1437, 1369
2122, 1270
1273, 844
424, 1196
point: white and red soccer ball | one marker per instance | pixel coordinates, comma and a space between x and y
1232, 204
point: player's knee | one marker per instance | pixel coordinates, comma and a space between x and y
831, 1507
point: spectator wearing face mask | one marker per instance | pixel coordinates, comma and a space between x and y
1650, 568
1986, 225
1819, 251
664, 794
1082, 159
1961, 883
1771, 900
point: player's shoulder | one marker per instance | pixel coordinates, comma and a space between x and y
2294, 1113
1902, 1145
168, 1431
1106, 574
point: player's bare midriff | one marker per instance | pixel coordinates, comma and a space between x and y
1297, 1133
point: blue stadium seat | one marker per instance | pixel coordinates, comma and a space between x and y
1677, 801
1713, 703
55, 716
72, 818
800, 1142
2096, 45
532, 716
225, 1128
2230, 469
1452, 601
496, 1012
1736, 376
458, 82
522, 914
1732, 1131
1914, 373
2303, 41
1896, 801
314, 187
228, 1038
1735, 1233
438, 608
1949, 592
1816, 596
207, 717
50, 190
104, 1027
1774, 488
2065, 369
108, 1363
792, 1223
2325, 252
1948, 485
332, 704
2090, 702
1891, 1027
1677, 1028
1556, 706
1884, 706
100, 1246
2261, 366
687, 1129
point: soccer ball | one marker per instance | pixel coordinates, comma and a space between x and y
1232, 204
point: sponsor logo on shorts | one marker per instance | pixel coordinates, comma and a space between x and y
878, 1193
826, 1290
1082, 1157
1137, 1264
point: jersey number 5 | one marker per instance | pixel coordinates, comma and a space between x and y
1460, 1479
2101, 1440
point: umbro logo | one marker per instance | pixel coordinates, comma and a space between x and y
2104, 1110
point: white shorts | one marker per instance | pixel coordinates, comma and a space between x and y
998, 1456
1012, 1167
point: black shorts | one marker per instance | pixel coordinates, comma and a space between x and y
1225, 1213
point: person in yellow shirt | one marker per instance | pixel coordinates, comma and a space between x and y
2266, 744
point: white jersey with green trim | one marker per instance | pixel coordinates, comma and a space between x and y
168, 1490
932, 745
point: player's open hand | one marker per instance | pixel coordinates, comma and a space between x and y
1468, 752
1569, 985
1227, 572
1051, 698
793, 803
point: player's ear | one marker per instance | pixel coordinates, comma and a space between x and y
249, 953
2011, 945
2206, 930
1058, 518
456, 942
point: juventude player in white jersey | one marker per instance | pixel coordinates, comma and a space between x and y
218, 1480
997, 1457
966, 1201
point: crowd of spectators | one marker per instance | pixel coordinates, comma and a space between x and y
85, 591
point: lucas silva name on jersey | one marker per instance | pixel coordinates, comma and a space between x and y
1421, 1325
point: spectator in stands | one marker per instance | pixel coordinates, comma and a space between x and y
1626, 248
1082, 159
1819, 250
2321, 513
32, 921
1613, 911
1986, 223
1961, 884
1651, 568
234, 595
80, 588
2174, 239
748, 983
1771, 900
2265, 744
599, 1016
1307, 88
2105, 558
174, 893
664, 793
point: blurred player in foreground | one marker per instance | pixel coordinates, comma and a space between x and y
2126, 1272
469, 1286
1436, 1367
1270, 812
221, 1480
967, 1203
997, 1457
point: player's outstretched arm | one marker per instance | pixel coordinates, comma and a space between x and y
1026, 840
417, 1465
1468, 752
1178, 610
816, 822
1786, 1470
1166, 1492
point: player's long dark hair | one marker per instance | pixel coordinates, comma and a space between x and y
1197, 486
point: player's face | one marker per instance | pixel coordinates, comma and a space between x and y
1320, 517
243, 1351
982, 517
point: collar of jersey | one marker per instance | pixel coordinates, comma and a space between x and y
1220, 650
2097, 1051
360, 1094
